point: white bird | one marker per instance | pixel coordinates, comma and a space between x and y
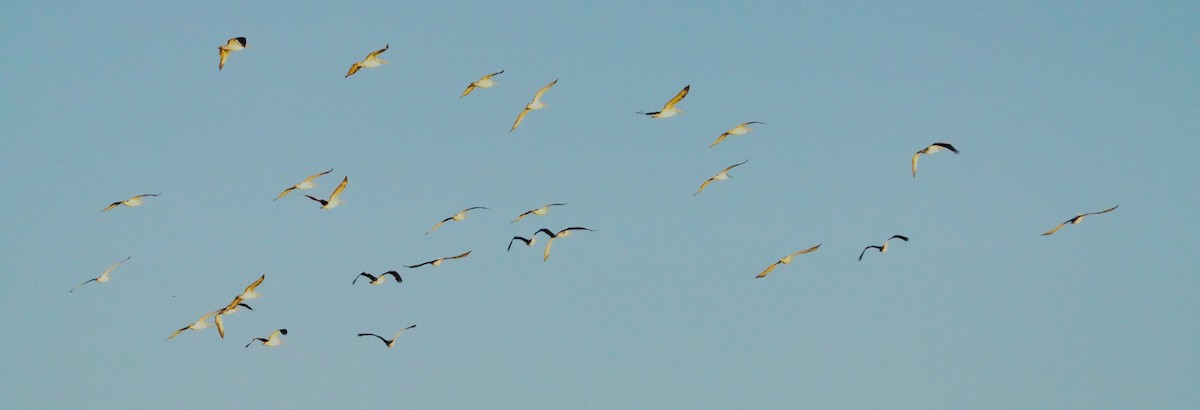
553, 235
103, 276
883, 248
371, 61
935, 147
738, 130
1077, 219
390, 343
131, 202
380, 279
234, 44
272, 340
539, 211
456, 217
333, 200
484, 82
534, 105
199, 324
669, 109
307, 183
721, 176
438, 261
786, 260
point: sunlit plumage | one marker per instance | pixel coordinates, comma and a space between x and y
461, 215
741, 129
307, 183
786, 260
371, 61
234, 44
333, 200
131, 202
539, 211
438, 261
1077, 219
935, 147
555, 235
103, 276
199, 324
272, 340
229, 309
484, 82
389, 342
534, 105
669, 109
883, 248
721, 176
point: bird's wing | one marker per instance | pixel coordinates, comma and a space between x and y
341, 187
900, 237
675, 100
538, 96
767, 270
1102, 212
439, 225
385, 341
547, 231
220, 324
284, 193
864, 252
1052, 231
81, 284
546, 253
316, 175
142, 195
734, 165
257, 339
176, 333
494, 74
523, 215
114, 266
470, 87
255, 284
514, 239
574, 228
368, 275
805, 251
111, 206
395, 275
914, 163
719, 139
402, 331
418, 265
353, 69
459, 256
520, 117
702, 186
473, 208
946, 146
321, 201
376, 53
224, 55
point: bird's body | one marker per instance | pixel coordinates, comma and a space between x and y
389, 342
669, 109
721, 176
935, 147
1077, 219
272, 340
378, 280
438, 261
199, 324
786, 260
233, 44
539, 211
131, 202
554, 235
484, 82
371, 61
461, 215
333, 200
883, 248
741, 129
307, 183
103, 276
534, 105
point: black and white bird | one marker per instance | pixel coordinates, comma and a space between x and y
539, 211
103, 276
392, 342
741, 129
371, 61
534, 105
484, 82
307, 183
1077, 219
935, 147
461, 215
199, 324
374, 280
131, 202
272, 340
721, 176
883, 248
530, 241
234, 44
786, 260
333, 200
555, 235
438, 261
669, 109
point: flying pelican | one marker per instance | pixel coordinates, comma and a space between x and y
456, 217
484, 82
935, 147
786, 260
438, 261
131, 202
229, 309
271, 341
721, 176
669, 109
539, 212
530, 241
372, 60
307, 183
378, 280
389, 343
534, 105
103, 276
883, 248
1077, 219
199, 324
738, 130
234, 44
333, 201
561, 234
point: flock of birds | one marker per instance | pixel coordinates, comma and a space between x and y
372, 60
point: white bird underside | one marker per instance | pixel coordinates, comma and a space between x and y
534, 105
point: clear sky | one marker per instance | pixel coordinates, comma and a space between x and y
1057, 108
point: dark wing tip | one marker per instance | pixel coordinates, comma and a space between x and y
902, 237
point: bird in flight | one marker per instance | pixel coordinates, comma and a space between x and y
250, 292
438, 261
555, 235
456, 217
1076, 220
530, 241
883, 248
234, 44
103, 276
539, 211
669, 109
390, 343
935, 147
199, 324
229, 309
534, 105
721, 176
131, 202
738, 130
371, 61
380, 279
307, 183
333, 201
272, 340
484, 82
786, 260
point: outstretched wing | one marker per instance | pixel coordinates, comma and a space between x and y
368, 275
702, 186
385, 341
538, 96
81, 284
1102, 212
806, 250
675, 100
520, 117
419, 264
341, 187
719, 139
767, 270
285, 192
1052, 231
461, 255
224, 55
946, 146
111, 206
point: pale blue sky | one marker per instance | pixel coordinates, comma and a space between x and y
1057, 109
